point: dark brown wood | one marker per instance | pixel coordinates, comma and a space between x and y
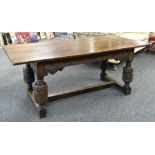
28, 76
103, 66
59, 65
41, 97
78, 91
116, 83
52, 56
127, 77
41, 110
58, 50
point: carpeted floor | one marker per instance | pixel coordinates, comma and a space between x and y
104, 105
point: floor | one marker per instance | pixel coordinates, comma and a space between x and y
108, 105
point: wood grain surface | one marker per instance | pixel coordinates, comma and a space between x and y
60, 49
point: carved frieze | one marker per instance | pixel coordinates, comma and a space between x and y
51, 70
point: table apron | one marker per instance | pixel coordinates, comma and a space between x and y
51, 67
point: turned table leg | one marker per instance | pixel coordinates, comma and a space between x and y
28, 76
41, 97
127, 78
103, 74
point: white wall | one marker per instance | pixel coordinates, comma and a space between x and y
1, 40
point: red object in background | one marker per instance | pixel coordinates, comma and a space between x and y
152, 38
26, 33
18, 34
22, 34
22, 37
25, 37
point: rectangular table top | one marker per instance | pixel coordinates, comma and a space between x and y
60, 49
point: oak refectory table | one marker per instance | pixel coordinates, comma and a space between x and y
48, 57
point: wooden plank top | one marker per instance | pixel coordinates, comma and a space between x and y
60, 49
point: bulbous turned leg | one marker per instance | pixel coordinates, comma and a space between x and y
127, 78
41, 97
103, 74
28, 76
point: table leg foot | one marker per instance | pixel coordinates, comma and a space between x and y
127, 78
41, 112
127, 90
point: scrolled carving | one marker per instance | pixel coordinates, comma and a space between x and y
43, 69
52, 70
